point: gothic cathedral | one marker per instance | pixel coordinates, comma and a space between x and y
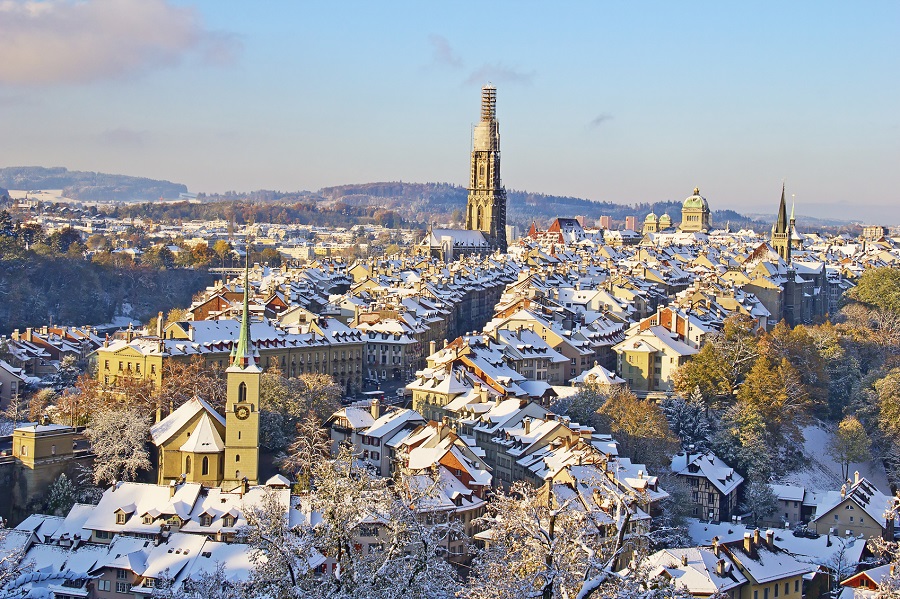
486, 209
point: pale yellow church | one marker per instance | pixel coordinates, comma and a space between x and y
197, 443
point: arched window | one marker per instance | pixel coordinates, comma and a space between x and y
205, 469
242, 392
187, 465
478, 219
237, 457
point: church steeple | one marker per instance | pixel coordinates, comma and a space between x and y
243, 354
781, 230
486, 209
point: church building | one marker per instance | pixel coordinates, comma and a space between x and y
198, 444
485, 230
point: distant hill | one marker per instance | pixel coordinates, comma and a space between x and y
443, 201
89, 186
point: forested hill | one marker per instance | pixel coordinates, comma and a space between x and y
443, 202
89, 186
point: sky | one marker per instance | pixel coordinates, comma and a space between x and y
619, 101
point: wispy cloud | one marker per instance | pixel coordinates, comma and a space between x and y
599, 120
442, 52
123, 136
499, 73
62, 42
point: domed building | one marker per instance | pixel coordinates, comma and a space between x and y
695, 214
651, 224
665, 222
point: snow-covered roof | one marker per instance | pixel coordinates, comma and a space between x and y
169, 426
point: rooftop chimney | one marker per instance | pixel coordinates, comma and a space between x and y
715, 546
856, 477
756, 538
748, 542
159, 325
720, 567
376, 408
526, 423
770, 539
684, 559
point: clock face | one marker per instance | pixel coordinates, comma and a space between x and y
242, 413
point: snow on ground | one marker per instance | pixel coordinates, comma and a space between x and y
823, 473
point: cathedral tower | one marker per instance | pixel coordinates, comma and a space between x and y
781, 231
242, 405
486, 209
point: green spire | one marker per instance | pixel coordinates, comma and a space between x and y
242, 354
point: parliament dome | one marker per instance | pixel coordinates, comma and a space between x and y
696, 201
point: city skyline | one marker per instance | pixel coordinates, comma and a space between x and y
601, 101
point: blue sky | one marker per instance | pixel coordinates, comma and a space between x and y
625, 102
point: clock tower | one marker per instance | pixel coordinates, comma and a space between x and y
242, 405
486, 209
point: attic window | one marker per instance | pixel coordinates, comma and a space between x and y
121, 517
148, 519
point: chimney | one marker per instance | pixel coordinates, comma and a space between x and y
748, 542
843, 491
756, 537
526, 423
245, 485
684, 559
770, 539
856, 477
376, 409
159, 325
720, 567
715, 546
29, 333
15, 335
432, 347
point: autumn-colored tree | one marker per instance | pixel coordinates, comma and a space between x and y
640, 427
706, 371
798, 346
773, 390
850, 444
878, 288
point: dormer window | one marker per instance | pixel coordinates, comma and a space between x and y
228, 521
148, 519
205, 520
121, 517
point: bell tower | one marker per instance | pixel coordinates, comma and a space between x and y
782, 229
486, 209
242, 405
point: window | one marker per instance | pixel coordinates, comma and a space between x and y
103, 585
187, 465
121, 574
787, 588
205, 468
121, 587
766, 593
53, 450
121, 517
237, 457
776, 589
242, 392
205, 520
153, 368
796, 586
24, 450
148, 519
105, 364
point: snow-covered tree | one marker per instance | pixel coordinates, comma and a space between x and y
688, 421
67, 375
849, 444
759, 500
119, 441
211, 585
547, 545
60, 496
311, 446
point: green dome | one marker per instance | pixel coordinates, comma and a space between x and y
651, 218
696, 201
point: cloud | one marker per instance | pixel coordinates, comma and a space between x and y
442, 52
499, 73
52, 42
600, 119
124, 136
